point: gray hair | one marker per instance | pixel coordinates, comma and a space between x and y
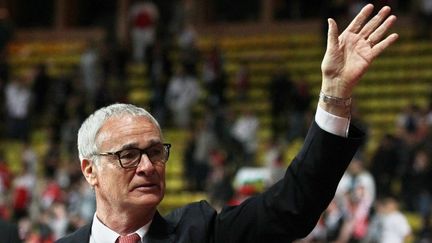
87, 134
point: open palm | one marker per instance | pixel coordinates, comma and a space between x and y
349, 54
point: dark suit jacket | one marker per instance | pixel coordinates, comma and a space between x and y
287, 211
8, 233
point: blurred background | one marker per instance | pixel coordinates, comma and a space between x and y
234, 84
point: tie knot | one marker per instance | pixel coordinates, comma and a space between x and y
133, 238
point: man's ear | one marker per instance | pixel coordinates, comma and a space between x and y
89, 171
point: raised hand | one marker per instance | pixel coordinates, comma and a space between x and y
349, 54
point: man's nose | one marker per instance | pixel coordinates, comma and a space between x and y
145, 165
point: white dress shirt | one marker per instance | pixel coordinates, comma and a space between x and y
331, 123
100, 233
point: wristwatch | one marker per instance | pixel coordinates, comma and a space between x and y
332, 100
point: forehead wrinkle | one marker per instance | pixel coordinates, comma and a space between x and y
103, 134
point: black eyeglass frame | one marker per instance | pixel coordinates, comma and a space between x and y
166, 146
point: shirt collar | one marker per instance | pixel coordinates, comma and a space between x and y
102, 233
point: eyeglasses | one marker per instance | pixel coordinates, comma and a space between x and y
130, 158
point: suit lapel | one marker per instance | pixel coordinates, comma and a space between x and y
161, 231
85, 235
81, 235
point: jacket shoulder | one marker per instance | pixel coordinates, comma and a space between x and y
81, 235
198, 211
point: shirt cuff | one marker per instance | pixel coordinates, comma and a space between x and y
333, 124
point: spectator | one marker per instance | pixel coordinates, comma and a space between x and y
182, 94
299, 107
388, 225
41, 84
205, 143
63, 89
385, 164
143, 17
51, 193
334, 218
357, 192
187, 37
329, 226
280, 92
58, 220
91, 73
18, 101
40, 231
160, 71
423, 128
51, 158
24, 186
29, 158
274, 161
407, 123
159, 64
219, 186
214, 77
416, 183
81, 202
189, 57
245, 130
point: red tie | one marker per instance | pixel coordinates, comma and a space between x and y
133, 238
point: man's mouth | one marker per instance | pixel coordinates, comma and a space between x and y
146, 187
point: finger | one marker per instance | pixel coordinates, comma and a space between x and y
375, 22
357, 23
332, 35
378, 34
382, 45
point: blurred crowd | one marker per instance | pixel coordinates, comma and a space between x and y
375, 196
47, 198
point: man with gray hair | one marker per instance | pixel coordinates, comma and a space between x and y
123, 157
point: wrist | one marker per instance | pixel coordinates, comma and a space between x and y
335, 105
336, 88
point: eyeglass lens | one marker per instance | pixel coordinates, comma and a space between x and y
156, 154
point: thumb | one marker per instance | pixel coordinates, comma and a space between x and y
332, 35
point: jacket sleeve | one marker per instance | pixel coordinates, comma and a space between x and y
290, 209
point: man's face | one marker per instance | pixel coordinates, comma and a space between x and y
141, 187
